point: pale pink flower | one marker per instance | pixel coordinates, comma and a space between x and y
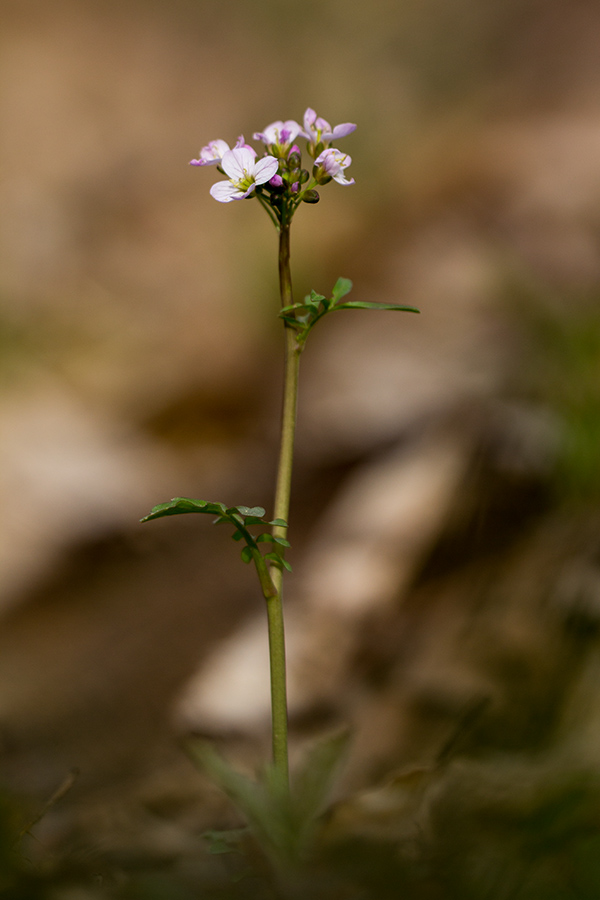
317, 130
279, 134
332, 162
212, 153
244, 172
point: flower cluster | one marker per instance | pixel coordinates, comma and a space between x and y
277, 178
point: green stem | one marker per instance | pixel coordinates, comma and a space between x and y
266, 582
281, 511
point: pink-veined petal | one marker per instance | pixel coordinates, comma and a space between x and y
265, 168
246, 157
237, 163
231, 166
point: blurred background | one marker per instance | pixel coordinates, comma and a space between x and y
445, 600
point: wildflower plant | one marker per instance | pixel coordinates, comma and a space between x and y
280, 179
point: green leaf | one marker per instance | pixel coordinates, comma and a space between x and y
284, 822
314, 780
246, 554
265, 807
278, 561
237, 535
247, 510
296, 312
254, 520
281, 522
290, 320
181, 505
360, 304
313, 299
245, 793
342, 287
267, 537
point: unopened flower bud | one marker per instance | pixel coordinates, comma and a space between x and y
294, 160
311, 197
304, 176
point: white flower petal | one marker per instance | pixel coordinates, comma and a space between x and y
341, 179
246, 157
225, 192
265, 168
237, 162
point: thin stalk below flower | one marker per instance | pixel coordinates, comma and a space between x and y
265, 205
281, 511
